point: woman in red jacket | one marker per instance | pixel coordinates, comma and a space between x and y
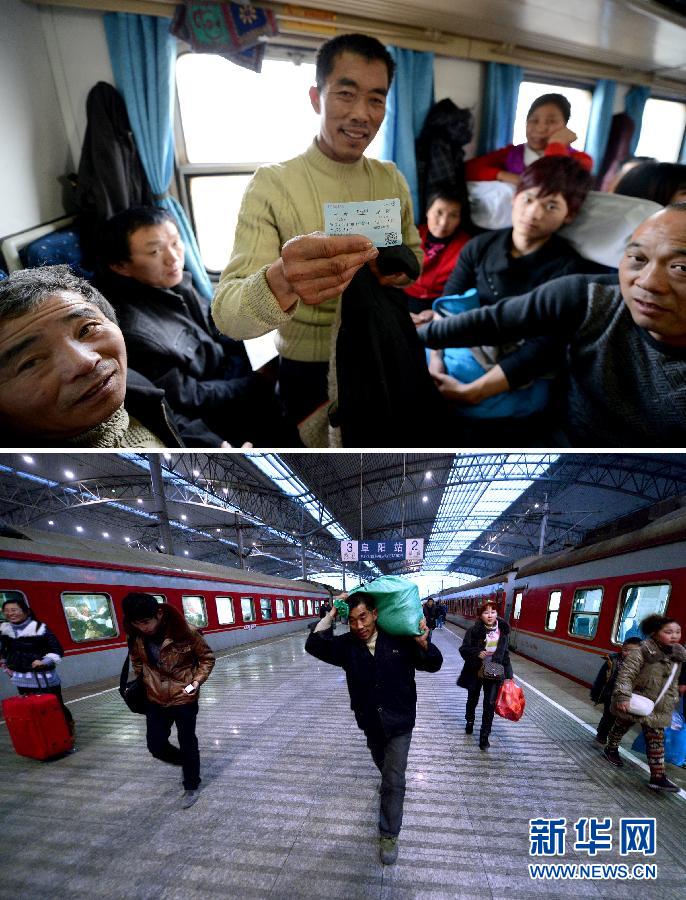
443, 237
547, 134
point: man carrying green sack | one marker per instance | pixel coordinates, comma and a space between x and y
397, 603
380, 672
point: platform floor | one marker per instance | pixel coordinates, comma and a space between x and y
289, 803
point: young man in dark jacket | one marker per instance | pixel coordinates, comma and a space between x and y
174, 660
604, 685
379, 669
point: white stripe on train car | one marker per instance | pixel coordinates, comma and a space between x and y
25, 570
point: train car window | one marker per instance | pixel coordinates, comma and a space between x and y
291, 608
225, 613
194, 610
585, 612
280, 609
266, 608
662, 129
301, 607
221, 155
310, 608
553, 610
580, 99
639, 601
89, 616
10, 595
248, 609
518, 605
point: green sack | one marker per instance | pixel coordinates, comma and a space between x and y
397, 603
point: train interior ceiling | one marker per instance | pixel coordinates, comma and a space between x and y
55, 51
249, 546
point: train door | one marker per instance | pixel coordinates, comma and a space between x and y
517, 598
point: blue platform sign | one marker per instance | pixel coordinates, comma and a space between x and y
411, 549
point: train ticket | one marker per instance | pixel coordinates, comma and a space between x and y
378, 220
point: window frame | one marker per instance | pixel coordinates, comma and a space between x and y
550, 609
251, 600
230, 599
517, 604
572, 613
620, 602
112, 609
204, 606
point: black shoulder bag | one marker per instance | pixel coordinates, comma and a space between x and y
133, 692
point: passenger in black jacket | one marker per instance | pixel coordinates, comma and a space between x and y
488, 638
30, 652
380, 670
170, 336
604, 685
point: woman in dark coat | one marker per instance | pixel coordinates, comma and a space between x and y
487, 638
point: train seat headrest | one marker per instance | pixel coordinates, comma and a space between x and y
599, 233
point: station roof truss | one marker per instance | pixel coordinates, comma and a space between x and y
478, 512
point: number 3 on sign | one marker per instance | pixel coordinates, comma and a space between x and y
349, 551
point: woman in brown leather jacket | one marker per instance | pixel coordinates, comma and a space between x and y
174, 660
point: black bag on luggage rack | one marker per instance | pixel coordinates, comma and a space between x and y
133, 692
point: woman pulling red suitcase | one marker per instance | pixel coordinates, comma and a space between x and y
39, 723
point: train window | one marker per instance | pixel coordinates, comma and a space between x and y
310, 608
89, 616
291, 608
194, 610
225, 613
8, 597
280, 609
301, 607
553, 610
579, 98
266, 608
639, 601
248, 609
585, 612
662, 129
518, 605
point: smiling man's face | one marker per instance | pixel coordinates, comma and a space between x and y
652, 275
62, 369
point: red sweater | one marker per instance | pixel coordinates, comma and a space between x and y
439, 262
486, 168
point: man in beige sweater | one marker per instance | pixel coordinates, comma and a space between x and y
285, 273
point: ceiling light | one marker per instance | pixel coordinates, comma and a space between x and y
105, 534
428, 475
185, 552
68, 474
139, 500
196, 473
79, 528
128, 540
183, 517
28, 459
425, 499
50, 522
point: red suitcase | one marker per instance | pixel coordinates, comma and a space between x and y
37, 726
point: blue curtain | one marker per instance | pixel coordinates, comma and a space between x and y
600, 121
499, 106
409, 100
142, 52
634, 104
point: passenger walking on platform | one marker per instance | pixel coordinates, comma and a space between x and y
604, 685
174, 660
441, 613
380, 671
30, 653
487, 639
430, 614
650, 670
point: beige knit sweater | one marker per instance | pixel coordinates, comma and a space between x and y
282, 201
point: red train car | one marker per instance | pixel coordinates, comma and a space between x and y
568, 609
76, 587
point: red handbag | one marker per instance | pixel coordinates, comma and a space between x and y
510, 701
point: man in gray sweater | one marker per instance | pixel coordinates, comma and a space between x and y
625, 364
